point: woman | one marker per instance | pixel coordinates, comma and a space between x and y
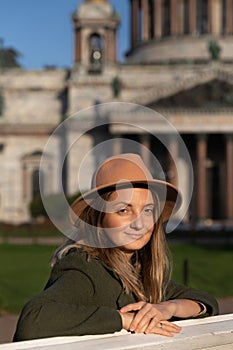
116, 273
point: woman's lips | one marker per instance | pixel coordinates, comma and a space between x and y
134, 236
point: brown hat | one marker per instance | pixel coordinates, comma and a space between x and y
123, 171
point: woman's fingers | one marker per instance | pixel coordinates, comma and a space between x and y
126, 318
148, 318
164, 328
133, 307
143, 317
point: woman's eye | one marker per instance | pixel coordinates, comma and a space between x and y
122, 211
149, 211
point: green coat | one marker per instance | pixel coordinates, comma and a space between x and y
82, 297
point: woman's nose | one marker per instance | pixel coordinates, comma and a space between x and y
137, 223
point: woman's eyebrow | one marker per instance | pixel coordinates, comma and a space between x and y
129, 204
122, 203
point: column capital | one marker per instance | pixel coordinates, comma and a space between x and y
145, 137
229, 136
202, 137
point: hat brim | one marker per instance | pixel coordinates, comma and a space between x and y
168, 194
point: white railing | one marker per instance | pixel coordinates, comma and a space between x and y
213, 333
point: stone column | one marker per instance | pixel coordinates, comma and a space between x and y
215, 16
117, 145
110, 45
145, 20
173, 155
158, 19
210, 16
77, 46
25, 182
134, 22
229, 16
202, 208
145, 149
192, 16
229, 176
114, 46
180, 17
174, 19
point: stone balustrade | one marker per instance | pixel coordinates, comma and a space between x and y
213, 333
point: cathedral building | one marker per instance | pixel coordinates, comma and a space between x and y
179, 64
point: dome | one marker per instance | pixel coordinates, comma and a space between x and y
173, 31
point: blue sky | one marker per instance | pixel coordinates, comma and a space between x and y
42, 31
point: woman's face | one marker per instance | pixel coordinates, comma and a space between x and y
129, 218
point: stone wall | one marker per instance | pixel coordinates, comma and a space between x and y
32, 109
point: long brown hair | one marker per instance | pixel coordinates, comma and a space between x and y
147, 276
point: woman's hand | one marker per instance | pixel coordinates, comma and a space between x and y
153, 318
127, 318
150, 318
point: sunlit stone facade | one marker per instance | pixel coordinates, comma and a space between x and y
179, 63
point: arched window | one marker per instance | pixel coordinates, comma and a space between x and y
96, 51
35, 179
166, 17
37, 182
202, 16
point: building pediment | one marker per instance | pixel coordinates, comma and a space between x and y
211, 95
212, 88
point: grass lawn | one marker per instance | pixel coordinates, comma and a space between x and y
24, 270
210, 268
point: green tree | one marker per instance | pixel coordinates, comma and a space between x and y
214, 50
8, 56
